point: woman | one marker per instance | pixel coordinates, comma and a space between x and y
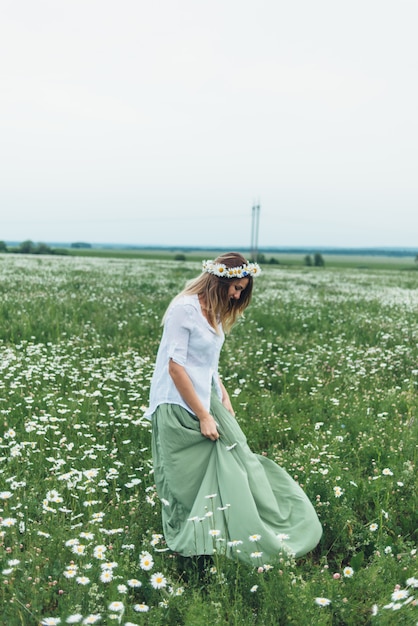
216, 494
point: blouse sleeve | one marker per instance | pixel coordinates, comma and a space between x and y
178, 326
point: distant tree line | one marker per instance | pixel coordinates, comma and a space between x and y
29, 247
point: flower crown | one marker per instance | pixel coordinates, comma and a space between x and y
222, 271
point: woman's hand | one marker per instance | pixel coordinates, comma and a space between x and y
208, 427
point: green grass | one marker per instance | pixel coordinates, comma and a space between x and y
323, 375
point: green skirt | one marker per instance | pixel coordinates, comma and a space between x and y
220, 496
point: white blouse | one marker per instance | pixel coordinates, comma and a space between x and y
192, 342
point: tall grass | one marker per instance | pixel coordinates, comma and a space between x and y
323, 374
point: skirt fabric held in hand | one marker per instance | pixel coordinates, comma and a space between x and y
221, 496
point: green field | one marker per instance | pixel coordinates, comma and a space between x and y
323, 374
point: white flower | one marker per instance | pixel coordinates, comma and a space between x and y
214, 533
106, 576
338, 492
211, 496
82, 580
400, 594
254, 538
158, 580
348, 572
116, 606
122, 588
92, 619
74, 619
322, 601
51, 621
146, 561
412, 582
141, 608
387, 472
256, 555
8, 522
254, 588
373, 527
134, 582
282, 536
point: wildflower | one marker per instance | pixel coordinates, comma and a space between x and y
146, 561
8, 522
13, 562
338, 492
141, 608
214, 533
282, 536
116, 606
82, 580
211, 496
85, 535
122, 588
322, 601
99, 552
254, 538
5, 495
336, 576
387, 472
373, 527
106, 576
92, 619
234, 543
256, 555
412, 582
254, 588
134, 582
158, 581
388, 550
348, 572
400, 594
74, 619
79, 548
375, 609
51, 621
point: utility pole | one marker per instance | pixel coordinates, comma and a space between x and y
254, 231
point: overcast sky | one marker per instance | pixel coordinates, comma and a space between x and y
163, 121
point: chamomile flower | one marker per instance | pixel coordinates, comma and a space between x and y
106, 576
82, 580
141, 608
338, 492
134, 583
214, 533
8, 522
158, 580
75, 618
373, 527
254, 538
400, 594
92, 619
116, 606
146, 561
348, 572
322, 601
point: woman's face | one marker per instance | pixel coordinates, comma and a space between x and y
236, 288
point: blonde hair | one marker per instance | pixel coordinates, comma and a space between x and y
220, 309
